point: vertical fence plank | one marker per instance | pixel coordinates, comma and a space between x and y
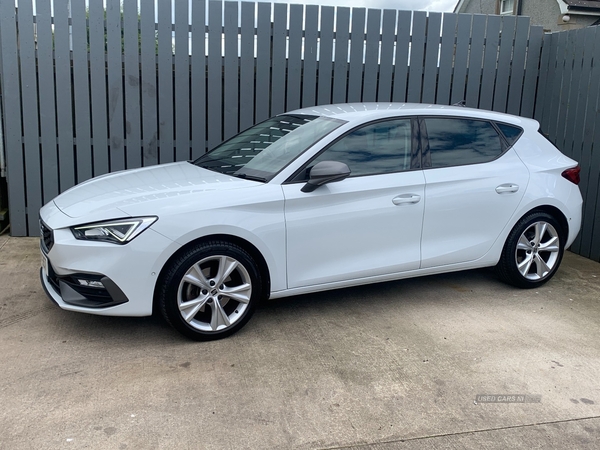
45, 69
198, 79
371, 55
417, 55
594, 181
231, 105
131, 43
533, 67
165, 82
432, 55
263, 62
401, 59
325, 56
590, 135
490, 60
182, 81
280, 13
558, 70
459, 79
81, 93
505, 60
247, 66
577, 116
149, 89
340, 66
115, 85
64, 106
295, 58
591, 229
29, 88
11, 99
309, 78
474, 74
515, 91
447, 52
566, 91
357, 43
545, 81
386, 64
98, 92
215, 73
576, 104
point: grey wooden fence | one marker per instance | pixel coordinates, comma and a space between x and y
568, 109
88, 92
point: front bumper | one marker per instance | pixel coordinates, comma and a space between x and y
103, 278
72, 290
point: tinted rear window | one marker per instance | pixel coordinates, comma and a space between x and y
457, 142
510, 132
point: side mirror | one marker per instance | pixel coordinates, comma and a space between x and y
326, 172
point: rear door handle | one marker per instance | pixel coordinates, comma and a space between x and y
405, 199
507, 188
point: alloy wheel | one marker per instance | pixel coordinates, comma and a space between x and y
537, 251
214, 293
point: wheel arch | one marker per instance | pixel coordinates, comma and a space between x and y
554, 212
508, 268
254, 252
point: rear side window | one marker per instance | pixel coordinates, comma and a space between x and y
510, 132
457, 142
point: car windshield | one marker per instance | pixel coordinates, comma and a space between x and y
260, 152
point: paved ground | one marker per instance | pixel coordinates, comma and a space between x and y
395, 365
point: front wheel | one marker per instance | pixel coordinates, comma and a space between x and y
210, 291
532, 252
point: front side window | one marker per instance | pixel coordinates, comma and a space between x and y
457, 142
261, 151
378, 148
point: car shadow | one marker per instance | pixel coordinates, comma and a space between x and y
419, 292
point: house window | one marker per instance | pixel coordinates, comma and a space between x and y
507, 7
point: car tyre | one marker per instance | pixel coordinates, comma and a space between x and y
210, 291
532, 252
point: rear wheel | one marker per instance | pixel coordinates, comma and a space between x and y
210, 291
532, 252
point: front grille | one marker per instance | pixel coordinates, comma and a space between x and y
47, 237
53, 278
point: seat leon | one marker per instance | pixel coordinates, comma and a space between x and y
314, 199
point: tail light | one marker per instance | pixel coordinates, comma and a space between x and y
572, 174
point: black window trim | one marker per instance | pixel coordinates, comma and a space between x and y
426, 153
415, 152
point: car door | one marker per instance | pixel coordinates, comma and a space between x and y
473, 186
366, 225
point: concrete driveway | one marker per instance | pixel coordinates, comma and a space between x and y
394, 365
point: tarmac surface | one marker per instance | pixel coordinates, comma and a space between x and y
451, 361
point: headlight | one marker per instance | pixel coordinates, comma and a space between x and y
116, 231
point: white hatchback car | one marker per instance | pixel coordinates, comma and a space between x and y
315, 199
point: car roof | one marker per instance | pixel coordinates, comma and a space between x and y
362, 112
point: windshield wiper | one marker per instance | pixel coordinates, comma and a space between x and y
245, 176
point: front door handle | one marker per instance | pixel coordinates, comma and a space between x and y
507, 188
405, 199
